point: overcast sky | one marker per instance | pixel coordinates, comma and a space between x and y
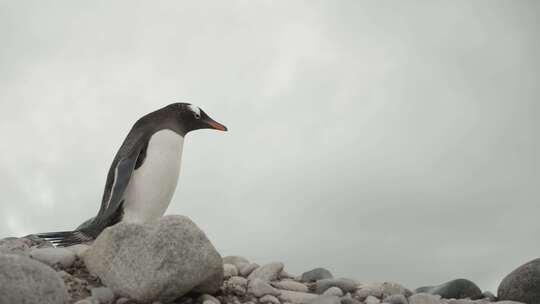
384, 140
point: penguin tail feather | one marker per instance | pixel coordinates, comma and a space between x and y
65, 238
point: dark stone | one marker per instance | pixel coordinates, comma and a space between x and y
316, 274
455, 289
522, 284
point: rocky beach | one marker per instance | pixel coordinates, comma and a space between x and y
172, 261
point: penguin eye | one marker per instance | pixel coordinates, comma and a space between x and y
197, 115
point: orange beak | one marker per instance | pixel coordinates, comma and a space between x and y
216, 125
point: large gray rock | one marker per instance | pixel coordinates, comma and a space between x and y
522, 284
455, 289
316, 274
268, 272
25, 281
158, 261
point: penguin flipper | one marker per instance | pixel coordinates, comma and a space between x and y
65, 238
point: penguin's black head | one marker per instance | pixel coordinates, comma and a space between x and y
191, 117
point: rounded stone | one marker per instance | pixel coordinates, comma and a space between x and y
522, 284
268, 272
23, 280
316, 274
455, 289
333, 291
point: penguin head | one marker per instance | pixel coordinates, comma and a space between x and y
191, 117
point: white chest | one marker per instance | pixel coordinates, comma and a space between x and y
152, 185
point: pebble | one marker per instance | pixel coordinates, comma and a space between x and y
237, 285
316, 274
285, 275
346, 285
246, 269
207, 297
269, 299
327, 299
122, 301
488, 295
53, 256
333, 291
102, 294
259, 288
89, 300
424, 298
396, 299
268, 272
296, 297
349, 300
290, 285
229, 270
372, 300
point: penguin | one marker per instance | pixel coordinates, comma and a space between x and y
144, 173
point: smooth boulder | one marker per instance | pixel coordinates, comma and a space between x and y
158, 261
23, 280
522, 284
455, 289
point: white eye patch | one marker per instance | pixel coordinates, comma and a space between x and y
195, 110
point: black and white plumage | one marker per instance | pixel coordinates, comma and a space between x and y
143, 175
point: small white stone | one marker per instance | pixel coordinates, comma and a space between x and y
333, 291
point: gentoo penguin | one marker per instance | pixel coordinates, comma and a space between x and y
143, 175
